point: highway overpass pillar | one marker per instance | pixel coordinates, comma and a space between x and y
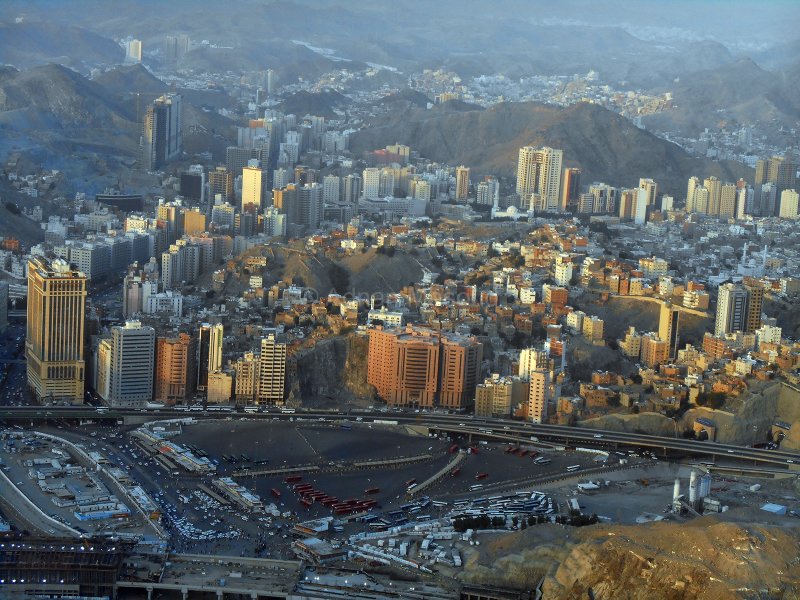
254, 595
220, 593
149, 592
185, 593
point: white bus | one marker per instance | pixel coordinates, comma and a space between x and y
572, 468
476, 487
288, 411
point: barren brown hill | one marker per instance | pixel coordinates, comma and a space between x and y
739, 92
605, 145
704, 558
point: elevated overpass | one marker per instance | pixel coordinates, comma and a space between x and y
465, 426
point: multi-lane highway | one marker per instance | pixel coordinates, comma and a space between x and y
453, 424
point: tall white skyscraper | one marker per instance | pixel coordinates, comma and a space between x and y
130, 382
371, 178
539, 172
330, 189
640, 210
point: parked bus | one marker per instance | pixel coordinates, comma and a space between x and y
370, 491
572, 468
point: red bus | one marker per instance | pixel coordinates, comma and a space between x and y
453, 448
370, 491
306, 502
276, 493
481, 476
455, 471
293, 479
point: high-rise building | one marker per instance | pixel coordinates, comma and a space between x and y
782, 171
287, 202
371, 178
668, 323
538, 398
655, 351
193, 184
352, 189
331, 189
539, 172
254, 186
162, 131
789, 204
421, 367
237, 158
731, 309
271, 384
462, 183
223, 217
137, 288
220, 183
310, 206
694, 183
131, 365
627, 203
3, 305
460, 371
727, 201
194, 221
133, 51
755, 302
532, 359
641, 205
714, 187
56, 368
175, 48
209, 352
175, 368
651, 188
486, 191
246, 378
570, 188
604, 198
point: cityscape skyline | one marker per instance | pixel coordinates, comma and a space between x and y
448, 301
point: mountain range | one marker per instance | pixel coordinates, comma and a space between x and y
740, 92
606, 146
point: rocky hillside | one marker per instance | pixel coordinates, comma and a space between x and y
704, 558
745, 420
739, 92
320, 104
700, 559
53, 96
334, 374
39, 42
605, 145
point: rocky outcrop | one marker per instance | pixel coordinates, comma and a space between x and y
332, 373
703, 559
749, 420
